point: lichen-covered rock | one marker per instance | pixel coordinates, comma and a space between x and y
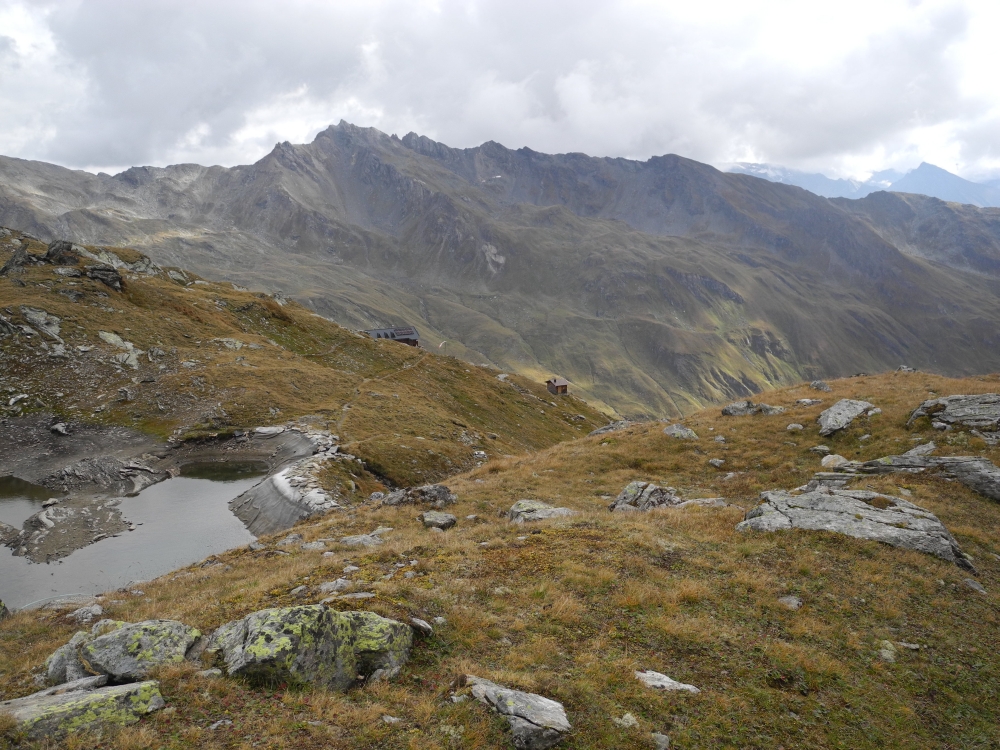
131, 651
841, 414
535, 510
312, 645
536, 722
65, 664
83, 705
981, 411
856, 513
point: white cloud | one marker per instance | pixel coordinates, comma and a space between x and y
845, 87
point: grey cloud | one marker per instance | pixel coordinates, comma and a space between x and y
599, 77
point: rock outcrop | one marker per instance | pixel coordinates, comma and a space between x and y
312, 645
536, 722
124, 652
435, 519
860, 514
975, 472
841, 415
535, 510
681, 432
613, 427
642, 496
82, 705
748, 408
980, 413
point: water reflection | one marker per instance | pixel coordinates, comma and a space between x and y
178, 522
223, 471
20, 499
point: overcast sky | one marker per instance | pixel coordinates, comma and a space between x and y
844, 87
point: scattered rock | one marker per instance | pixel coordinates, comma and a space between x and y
422, 626
289, 540
748, 408
856, 513
59, 428
209, 674
82, 705
130, 651
43, 321
841, 415
887, 651
974, 585
434, 519
819, 385
130, 355
874, 412
720, 439
628, 721
435, 495
795, 427
366, 540
299, 591
662, 682
536, 722
660, 741
312, 645
922, 450
833, 461
107, 275
718, 463
335, 587
535, 510
390, 719
821, 449
681, 432
809, 401
220, 724
643, 496
86, 615
313, 546
351, 569
790, 602
613, 427
4, 612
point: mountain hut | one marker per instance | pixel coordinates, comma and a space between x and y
403, 334
557, 386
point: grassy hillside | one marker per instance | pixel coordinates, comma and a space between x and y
214, 359
570, 607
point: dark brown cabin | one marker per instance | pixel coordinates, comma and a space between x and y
557, 386
403, 334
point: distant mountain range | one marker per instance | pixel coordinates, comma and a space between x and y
924, 180
654, 286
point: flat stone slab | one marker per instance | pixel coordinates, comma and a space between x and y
856, 513
535, 510
659, 681
841, 415
977, 473
82, 705
536, 722
981, 411
312, 646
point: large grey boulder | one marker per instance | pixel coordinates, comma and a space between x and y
435, 519
312, 645
981, 411
975, 472
535, 510
841, 414
642, 496
125, 652
681, 432
748, 408
856, 513
130, 652
82, 705
536, 722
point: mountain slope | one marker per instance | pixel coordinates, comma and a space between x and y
655, 287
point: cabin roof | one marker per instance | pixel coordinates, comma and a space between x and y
557, 381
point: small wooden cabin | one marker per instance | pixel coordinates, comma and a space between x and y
557, 386
403, 334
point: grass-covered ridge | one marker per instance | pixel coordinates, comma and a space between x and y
571, 607
215, 359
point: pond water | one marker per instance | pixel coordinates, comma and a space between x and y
20, 499
183, 520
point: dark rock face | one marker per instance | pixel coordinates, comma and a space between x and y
107, 275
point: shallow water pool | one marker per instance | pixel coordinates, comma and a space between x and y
178, 522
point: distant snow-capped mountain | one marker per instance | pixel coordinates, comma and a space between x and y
926, 179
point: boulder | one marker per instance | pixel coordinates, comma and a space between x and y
819, 385
535, 510
130, 652
856, 513
841, 414
662, 682
312, 646
642, 496
748, 408
681, 432
435, 519
435, 495
833, 461
82, 705
366, 540
107, 275
980, 412
535, 722
977, 473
